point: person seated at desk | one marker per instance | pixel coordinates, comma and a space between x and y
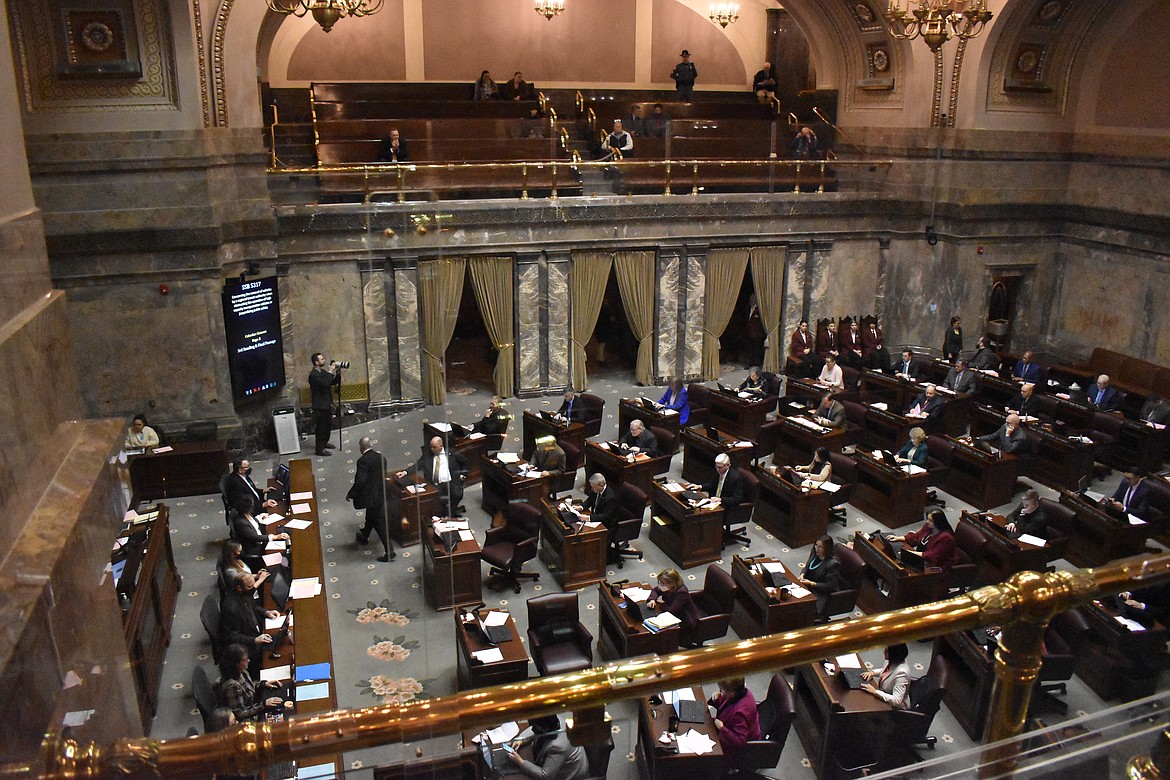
822, 574
675, 398
1102, 396
727, 485
754, 382
240, 484
736, 718
1010, 437
935, 540
444, 470
495, 419
892, 683
1155, 411
1132, 495
671, 595
1025, 370
554, 758
241, 616
246, 531
906, 368
571, 409
960, 378
548, 457
1025, 403
928, 405
140, 435
639, 439
602, 503
820, 470
1028, 517
984, 358
914, 450
236, 689
1151, 603
231, 557
830, 413
831, 374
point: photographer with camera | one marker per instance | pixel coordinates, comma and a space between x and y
321, 382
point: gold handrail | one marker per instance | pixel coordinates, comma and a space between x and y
579, 101
272, 132
1022, 606
591, 117
633, 162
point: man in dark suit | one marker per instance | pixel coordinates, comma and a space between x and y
906, 368
549, 457
829, 342
639, 439
321, 382
854, 347
960, 378
1025, 404
1009, 438
246, 531
393, 148
927, 405
602, 504
446, 471
984, 358
495, 419
571, 409
241, 616
1028, 517
240, 484
727, 485
830, 413
874, 348
1103, 396
369, 493
1026, 370
1132, 495
1156, 411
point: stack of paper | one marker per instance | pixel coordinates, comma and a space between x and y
273, 624
669, 411
636, 594
442, 426
743, 444
1132, 625
673, 487
883, 406
489, 656
305, 588
744, 395
661, 621
912, 469
1035, 541
850, 661
797, 591
275, 545
415, 488
507, 457
694, 742
495, 618
443, 526
505, 732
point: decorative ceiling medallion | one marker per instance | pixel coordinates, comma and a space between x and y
881, 61
1051, 10
864, 13
97, 37
1027, 61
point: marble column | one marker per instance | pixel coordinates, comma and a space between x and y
409, 329
883, 273
691, 324
559, 332
817, 280
795, 276
376, 337
671, 293
531, 322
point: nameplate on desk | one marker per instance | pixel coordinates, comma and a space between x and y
306, 495
301, 509
298, 525
507, 457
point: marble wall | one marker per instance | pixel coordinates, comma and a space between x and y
560, 332
669, 306
531, 308
376, 343
409, 334
329, 304
690, 363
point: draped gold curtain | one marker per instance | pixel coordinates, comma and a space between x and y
440, 289
725, 269
587, 280
768, 279
491, 278
635, 276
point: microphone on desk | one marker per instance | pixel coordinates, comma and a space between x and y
471, 609
751, 558
614, 588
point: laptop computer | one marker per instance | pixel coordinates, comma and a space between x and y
911, 558
450, 539
282, 477
712, 432
690, 711
691, 495
851, 678
495, 634
281, 585
636, 611
548, 416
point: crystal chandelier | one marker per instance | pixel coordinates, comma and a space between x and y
550, 8
724, 14
325, 12
936, 21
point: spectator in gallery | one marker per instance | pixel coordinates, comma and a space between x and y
764, 83
634, 122
804, 145
393, 148
654, 126
618, 141
140, 435
517, 89
535, 125
485, 88
684, 75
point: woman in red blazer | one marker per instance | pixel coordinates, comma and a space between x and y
936, 541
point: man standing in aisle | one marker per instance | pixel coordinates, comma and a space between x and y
369, 493
321, 382
684, 75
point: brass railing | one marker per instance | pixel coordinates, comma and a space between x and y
1022, 606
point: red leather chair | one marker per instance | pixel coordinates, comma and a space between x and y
508, 547
557, 639
714, 600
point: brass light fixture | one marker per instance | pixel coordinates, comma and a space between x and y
325, 12
724, 14
550, 8
936, 21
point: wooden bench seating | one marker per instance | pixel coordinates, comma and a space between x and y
448, 183
342, 92
422, 109
415, 130
448, 150
1135, 377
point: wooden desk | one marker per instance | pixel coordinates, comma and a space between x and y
576, 558
471, 446
1076, 415
799, 438
472, 673
619, 636
450, 579
657, 762
742, 417
757, 612
968, 695
830, 717
1056, 460
1116, 663
687, 535
877, 387
190, 468
904, 587
405, 510
501, 487
999, 392
617, 468
534, 426
1100, 537
1140, 445
1003, 556
630, 409
804, 392
700, 451
981, 479
790, 513
886, 429
887, 492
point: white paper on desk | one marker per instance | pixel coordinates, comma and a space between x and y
711, 502
1133, 520
912, 469
441, 426
495, 618
695, 742
304, 588
877, 455
317, 772
666, 412
71, 680
489, 656
849, 661
944, 390
416, 488
466, 536
269, 518
275, 545
76, 718
795, 405
673, 487
276, 623
1035, 541
797, 591
298, 525
276, 673
1029, 418
636, 594
591, 524
743, 444
317, 690
273, 559
161, 450
1093, 495
302, 496
505, 732
476, 435
1065, 396
828, 487
776, 567
745, 395
300, 509
682, 694
881, 405
507, 457
1132, 625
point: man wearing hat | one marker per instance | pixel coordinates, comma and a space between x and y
684, 75
549, 457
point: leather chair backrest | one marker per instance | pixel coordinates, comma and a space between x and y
855, 413
1047, 405
850, 376
524, 518
766, 439
562, 607
751, 486
1060, 517
778, 710
718, 595
851, 565
1109, 424
844, 468
593, 405
940, 448
969, 541
698, 395
666, 441
632, 498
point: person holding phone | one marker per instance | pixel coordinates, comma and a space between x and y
554, 758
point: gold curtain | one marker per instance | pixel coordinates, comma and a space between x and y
587, 280
491, 278
725, 269
440, 289
768, 279
635, 276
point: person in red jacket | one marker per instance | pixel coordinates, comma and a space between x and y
736, 717
935, 540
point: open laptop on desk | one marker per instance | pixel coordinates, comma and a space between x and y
549, 416
911, 558
494, 634
646, 402
281, 477
690, 711
851, 678
636, 611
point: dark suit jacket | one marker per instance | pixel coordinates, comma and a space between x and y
984, 359
645, 442
252, 542
829, 343
603, 507
852, 343
576, 414
369, 481
386, 152
933, 408
238, 487
1025, 408
492, 423
456, 464
1035, 524
1159, 415
1139, 505
911, 371
1029, 373
321, 382
1110, 399
240, 619
1005, 443
920, 455
826, 576
960, 384
799, 343
549, 460
732, 487
833, 417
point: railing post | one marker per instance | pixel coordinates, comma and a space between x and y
666, 188
401, 184
796, 179
524, 181
553, 195
821, 188
366, 186
1154, 766
695, 179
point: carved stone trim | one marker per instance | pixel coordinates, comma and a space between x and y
201, 56
218, 68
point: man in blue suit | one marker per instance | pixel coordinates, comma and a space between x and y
1102, 396
1026, 370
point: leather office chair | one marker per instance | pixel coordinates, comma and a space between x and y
714, 601
667, 445
698, 398
1106, 431
209, 617
1065, 640
766, 440
852, 571
939, 455
205, 698
629, 527
911, 727
741, 514
227, 506
970, 544
557, 639
1062, 526
567, 481
594, 406
855, 413
778, 710
508, 547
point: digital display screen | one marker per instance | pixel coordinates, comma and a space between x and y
251, 318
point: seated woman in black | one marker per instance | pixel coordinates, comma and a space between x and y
754, 381
672, 596
237, 691
822, 574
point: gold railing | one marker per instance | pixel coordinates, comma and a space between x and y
272, 134
1022, 606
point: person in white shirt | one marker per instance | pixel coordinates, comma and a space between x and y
619, 141
891, 684
140, 435
831, 374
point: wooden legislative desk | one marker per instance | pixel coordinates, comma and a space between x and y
742, 417
189, 468
1116, 663
1139, 444
1056, 460
451, 578
1076, 415
620, 636
968, 695
534, 426
1100, 537
687, 535
831, 718
805, 393
406, 509
792, 514
886, 584
630, 409
895, 391
899, 394
574, 554
617, 467
658, 762
1003, 556
473, 674
471, 446
501, 487
888, 493
757, 611
979, 478
998, 392
799, 438
700, 451
886, 429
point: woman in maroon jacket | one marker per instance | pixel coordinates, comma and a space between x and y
936, 541
736, 717
672, 596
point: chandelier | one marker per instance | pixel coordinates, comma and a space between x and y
550, 8
936, 21
325, 12
724, 14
